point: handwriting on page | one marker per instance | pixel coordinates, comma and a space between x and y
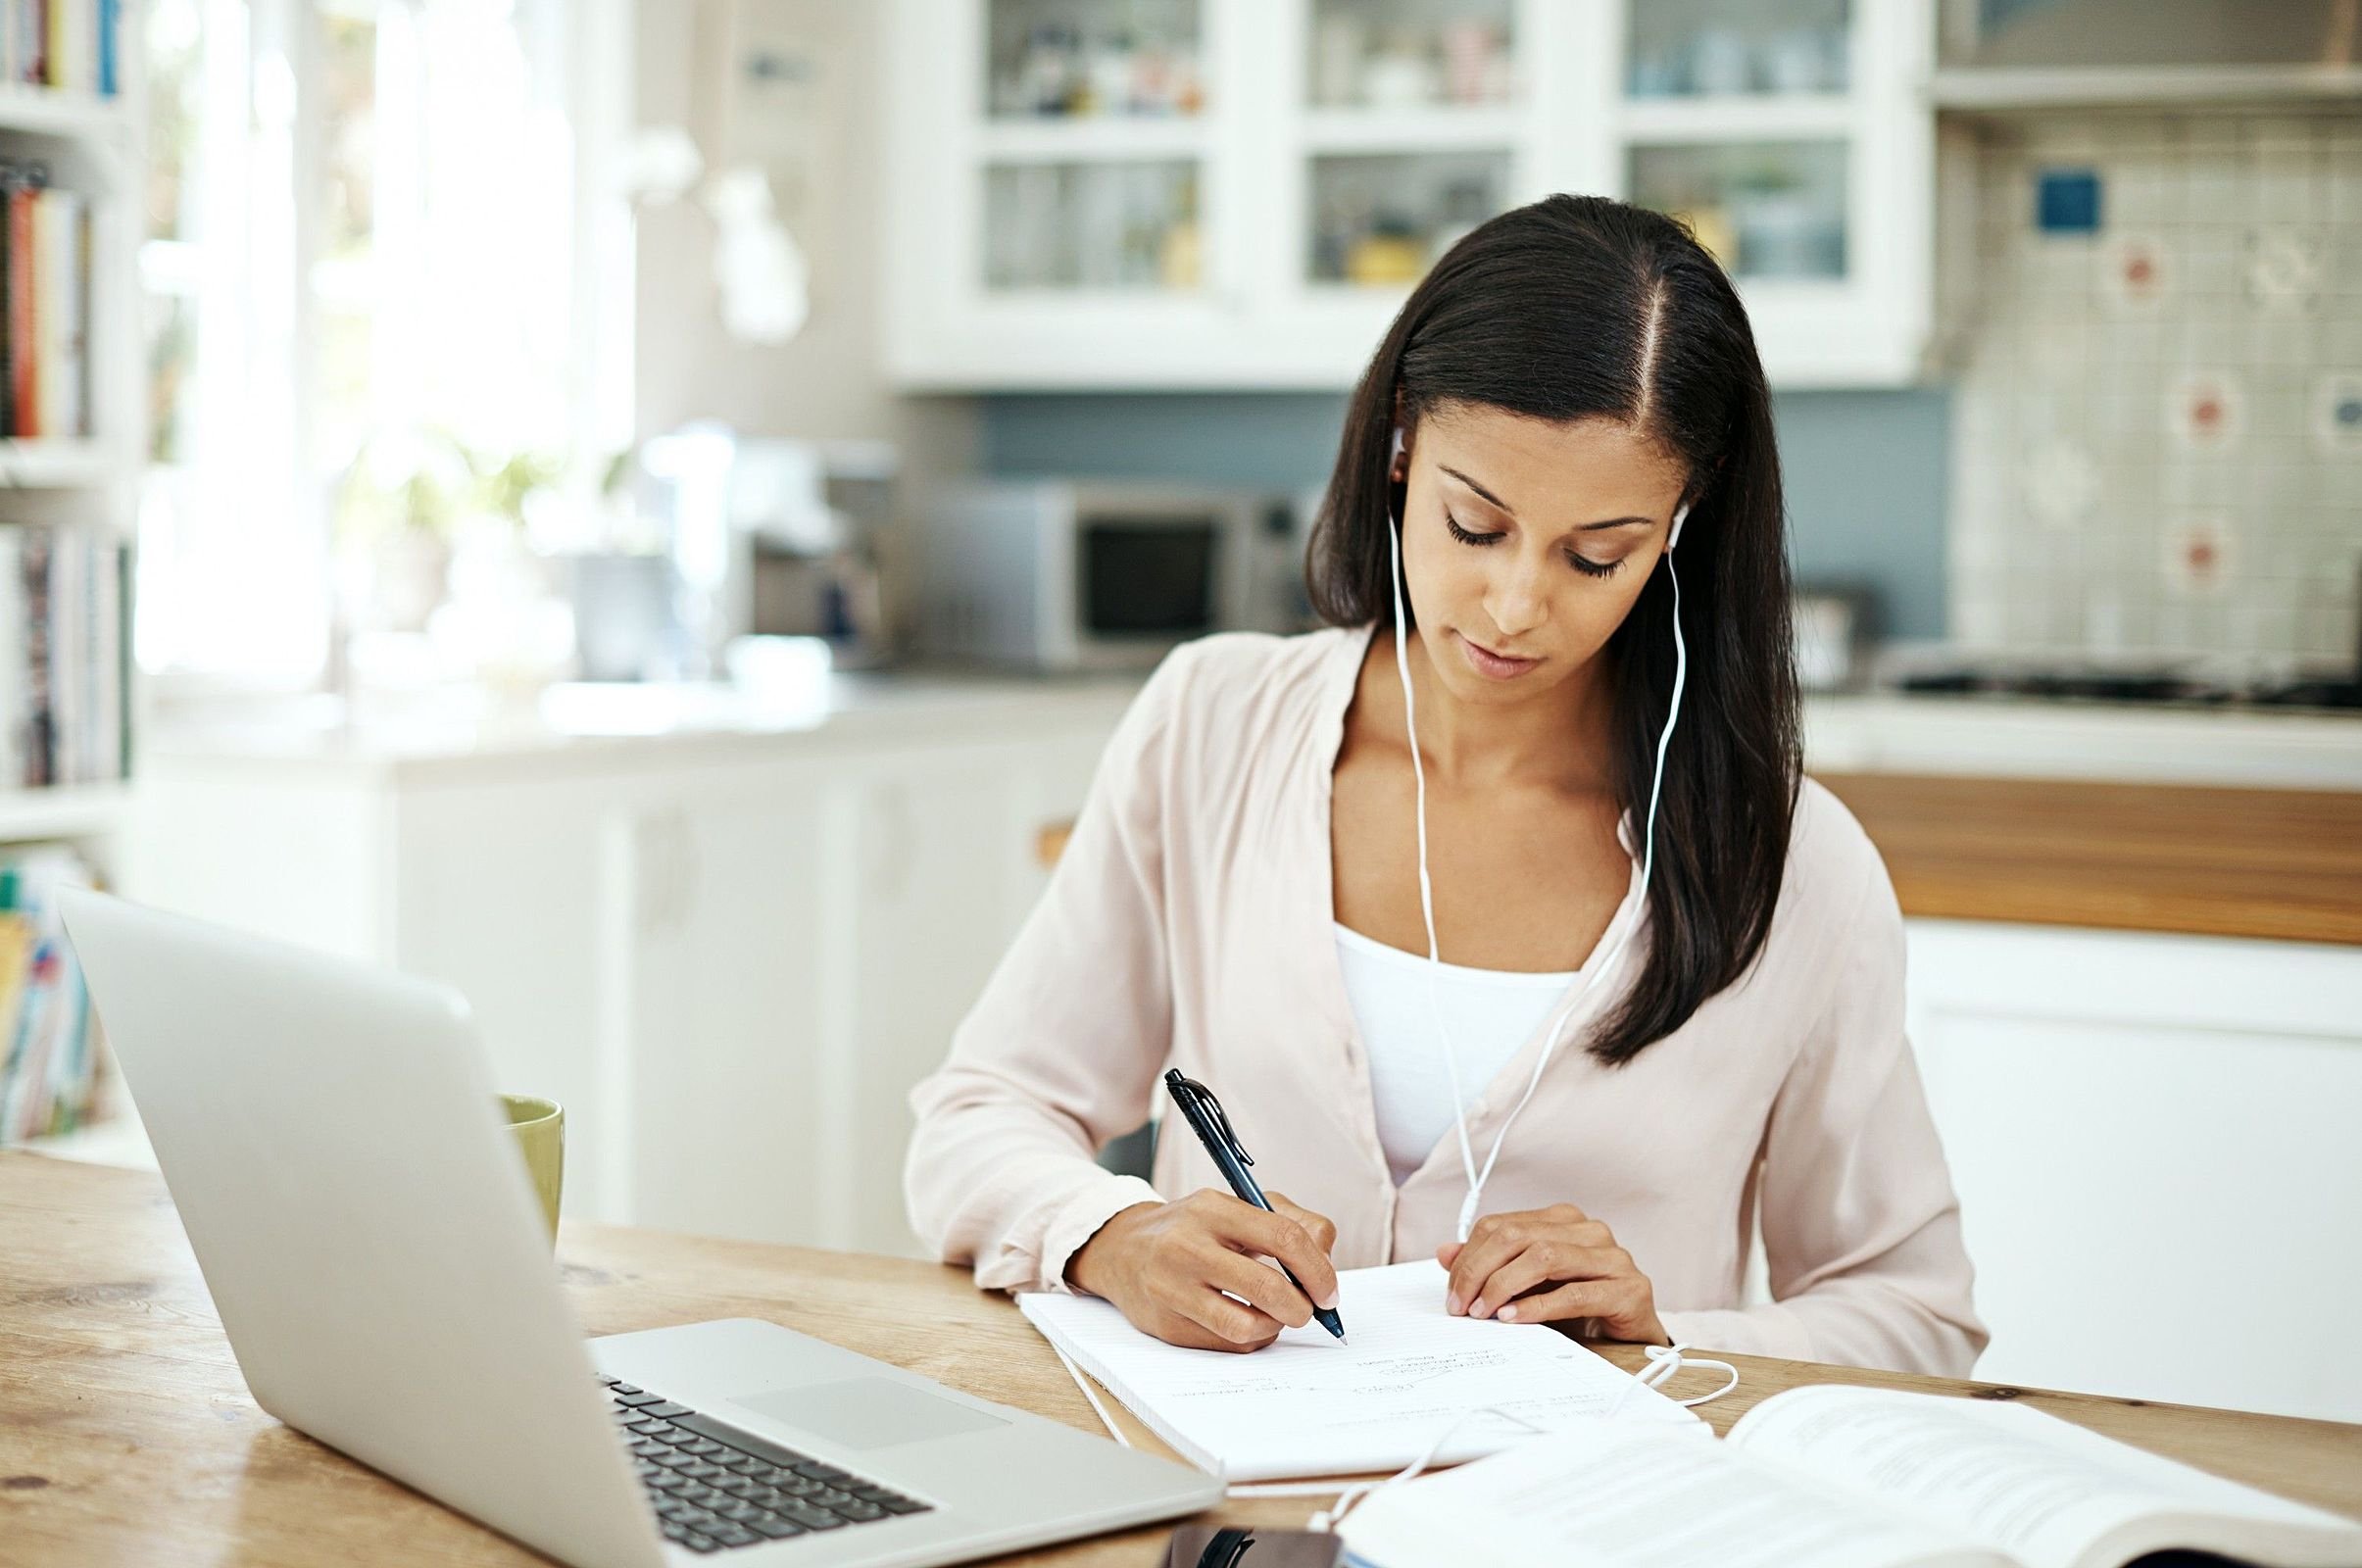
1309, 1405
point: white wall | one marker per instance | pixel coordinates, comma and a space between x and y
829, 379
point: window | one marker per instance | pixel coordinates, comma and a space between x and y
365, 216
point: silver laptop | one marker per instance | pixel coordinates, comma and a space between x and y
379, 1261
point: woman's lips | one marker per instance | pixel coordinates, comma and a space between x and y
1493, 666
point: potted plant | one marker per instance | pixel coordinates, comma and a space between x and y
394, 512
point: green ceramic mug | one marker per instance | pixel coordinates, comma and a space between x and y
540, 1129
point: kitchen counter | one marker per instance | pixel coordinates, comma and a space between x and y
461, 734
465, 732
2274, 865
1989, 737
2203, 821
2277, 864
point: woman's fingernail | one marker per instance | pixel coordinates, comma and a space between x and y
1328, 1303
1506, 1315
1476, 1308
1451, 1304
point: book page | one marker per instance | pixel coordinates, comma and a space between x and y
2045, 1490
1609, 1496
1307, 1406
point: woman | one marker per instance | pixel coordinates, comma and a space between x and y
1242, 896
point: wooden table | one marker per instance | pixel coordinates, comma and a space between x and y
128, 1438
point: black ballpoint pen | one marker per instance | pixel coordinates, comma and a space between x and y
1205, 1119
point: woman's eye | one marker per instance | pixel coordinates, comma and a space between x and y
1581, 564
1465, 537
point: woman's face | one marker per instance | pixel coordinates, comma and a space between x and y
1526, 542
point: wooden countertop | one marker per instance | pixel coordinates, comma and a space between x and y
2237, 862
128, 1438
2284, 864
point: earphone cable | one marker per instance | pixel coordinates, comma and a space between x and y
1590, 975
1418, 773
1656, 789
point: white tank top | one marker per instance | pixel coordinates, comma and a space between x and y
1490, 1013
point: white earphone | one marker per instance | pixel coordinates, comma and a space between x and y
1592, 971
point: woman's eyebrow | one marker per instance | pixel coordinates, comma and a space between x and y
1507, 509
1479, 489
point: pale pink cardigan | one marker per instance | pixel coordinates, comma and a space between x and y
1189, 924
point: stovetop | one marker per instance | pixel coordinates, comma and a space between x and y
2158, 686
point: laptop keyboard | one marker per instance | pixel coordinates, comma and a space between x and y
716, 1487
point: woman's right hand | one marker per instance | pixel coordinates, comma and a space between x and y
1168, 1267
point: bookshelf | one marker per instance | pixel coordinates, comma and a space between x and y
65, 112
92, 143
77, 812
71, 490
60, 464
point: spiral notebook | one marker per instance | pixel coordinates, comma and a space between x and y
1308, 1406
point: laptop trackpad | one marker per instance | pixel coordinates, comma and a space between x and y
869, 1412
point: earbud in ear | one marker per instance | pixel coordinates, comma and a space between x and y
1681, 515
1394, 453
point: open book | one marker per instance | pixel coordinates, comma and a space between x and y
1307, 1406
1841, 1478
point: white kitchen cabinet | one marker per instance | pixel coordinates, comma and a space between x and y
712, 977
730, 958
943, 864
1061, 216
2154, 1142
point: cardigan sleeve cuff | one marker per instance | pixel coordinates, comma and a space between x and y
1770, 1329
1079, 1218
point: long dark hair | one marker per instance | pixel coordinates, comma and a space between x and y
1577, 308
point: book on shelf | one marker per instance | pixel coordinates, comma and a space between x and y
66, 664
75, 45
49, 1045
45, 293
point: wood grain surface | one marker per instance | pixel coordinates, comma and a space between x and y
2284, 864
2275, 863
127, 1435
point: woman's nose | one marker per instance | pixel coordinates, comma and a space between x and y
1515, 600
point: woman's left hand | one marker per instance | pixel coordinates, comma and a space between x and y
1546, 1265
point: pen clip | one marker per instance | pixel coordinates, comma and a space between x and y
1190, 1088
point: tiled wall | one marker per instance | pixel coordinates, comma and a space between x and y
2158, 430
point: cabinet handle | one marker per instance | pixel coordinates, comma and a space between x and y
668, 870
890, 846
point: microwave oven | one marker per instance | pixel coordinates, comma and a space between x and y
1059, 575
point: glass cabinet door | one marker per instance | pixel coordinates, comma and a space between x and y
1240, 193
1409, 133
1094, 146
1410, 54
1380, 221
1736, 48
1093, 59
1740, 120
1104, 225
1764, 210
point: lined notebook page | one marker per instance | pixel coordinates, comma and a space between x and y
1307, 1406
